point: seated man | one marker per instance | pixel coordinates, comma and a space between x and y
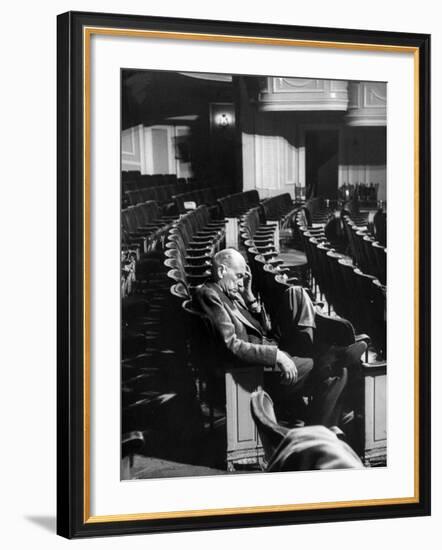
236, 319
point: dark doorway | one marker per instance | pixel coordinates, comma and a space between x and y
322, 151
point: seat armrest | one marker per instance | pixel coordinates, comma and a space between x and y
198, 252
270, 254
201, 239
200, 258
202, 277
199, 245
378, 368
197, 269
363, 338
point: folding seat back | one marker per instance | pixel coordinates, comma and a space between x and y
335, 233
288, 202
336, 282
179, 203
380, 227
270, 292
125, 223
238, 203
259, 262
150, 194
191, 221
307, 247
381, 261
197, 196
276, 208
252, 198
249, 223
182, 230
371, 267
156, 212
200, 196
133, 197
315, 264
149, 210
379, 335
348, 225
232, 205
138, 214
223, 203
326, 277
131, 219
361, 259
270, 208
202, 216
130, 185
254, 220
209, 197
349, 289
163, 193
364, 298
145, 194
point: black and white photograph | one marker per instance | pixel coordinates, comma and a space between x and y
253, 274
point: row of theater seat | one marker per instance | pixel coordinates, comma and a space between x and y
236, 205
278, 208
256, 234
367, 253
319, 209
206, 196
272, 281
192, 241
159, 417
161, 193
144, 225
354, 294
278, 293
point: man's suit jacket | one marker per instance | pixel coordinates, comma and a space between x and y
235, 329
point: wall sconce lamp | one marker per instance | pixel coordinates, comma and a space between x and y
223, 120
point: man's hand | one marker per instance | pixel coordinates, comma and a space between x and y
247, 293
289, 372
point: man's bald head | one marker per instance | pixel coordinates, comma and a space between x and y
229, 257
229, 270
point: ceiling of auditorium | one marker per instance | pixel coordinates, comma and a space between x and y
157, 97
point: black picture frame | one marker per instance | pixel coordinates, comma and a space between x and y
73, 516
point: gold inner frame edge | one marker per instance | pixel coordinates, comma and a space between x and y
87, 33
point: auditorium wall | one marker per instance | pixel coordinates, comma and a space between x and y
274, 151
159, 149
